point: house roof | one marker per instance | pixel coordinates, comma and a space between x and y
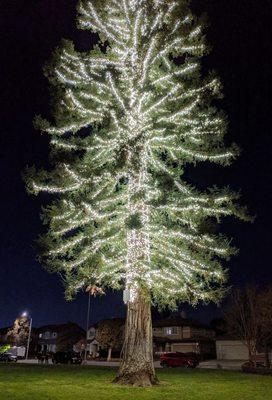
59, 327
95, 326
5, 330
165, 322
227, 337
179, 321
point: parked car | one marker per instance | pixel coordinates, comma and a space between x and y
6, 357
177, 359
66, 357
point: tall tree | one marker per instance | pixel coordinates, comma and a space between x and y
128, 116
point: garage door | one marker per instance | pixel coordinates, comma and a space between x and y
184, 347
232, 351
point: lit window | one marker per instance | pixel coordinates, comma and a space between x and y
173, 330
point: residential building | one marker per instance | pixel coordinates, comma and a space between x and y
61, 337
231, 348
185, 335
173, 334
92, 343
4, 335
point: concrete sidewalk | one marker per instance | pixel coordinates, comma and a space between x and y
114, 363
29, 361
231, 365
89, 362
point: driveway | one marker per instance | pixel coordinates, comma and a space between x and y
232, 365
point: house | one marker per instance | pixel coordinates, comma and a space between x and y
92, 343
4, 335
88, 343
61, 337
231, 348
177, 333
111, 328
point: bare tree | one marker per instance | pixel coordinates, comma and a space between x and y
242, 316
109, 334
265, 321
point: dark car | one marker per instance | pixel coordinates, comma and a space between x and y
7, 357
177, 359
66, 357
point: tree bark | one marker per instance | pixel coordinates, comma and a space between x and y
137, 367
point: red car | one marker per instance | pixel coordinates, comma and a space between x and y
179, 360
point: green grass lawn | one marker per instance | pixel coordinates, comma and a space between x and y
35, 382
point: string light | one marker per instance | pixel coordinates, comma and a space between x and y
123, 215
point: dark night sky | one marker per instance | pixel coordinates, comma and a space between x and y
240, 32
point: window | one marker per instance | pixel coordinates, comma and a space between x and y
172, 330
91, 333
40, 335
54, 334
52, 348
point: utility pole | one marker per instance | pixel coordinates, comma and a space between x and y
87, 325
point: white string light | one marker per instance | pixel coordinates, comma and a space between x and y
142, 111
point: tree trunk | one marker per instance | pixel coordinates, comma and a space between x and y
137, 367
254, 353
109, 354
249, 355
249, 347
267, 359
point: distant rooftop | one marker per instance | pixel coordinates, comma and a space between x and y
59, 327
179, 321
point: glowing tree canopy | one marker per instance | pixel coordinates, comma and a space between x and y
129, 115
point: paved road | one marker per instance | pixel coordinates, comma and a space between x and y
95, 363
232, 365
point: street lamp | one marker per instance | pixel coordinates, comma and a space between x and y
25, 314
